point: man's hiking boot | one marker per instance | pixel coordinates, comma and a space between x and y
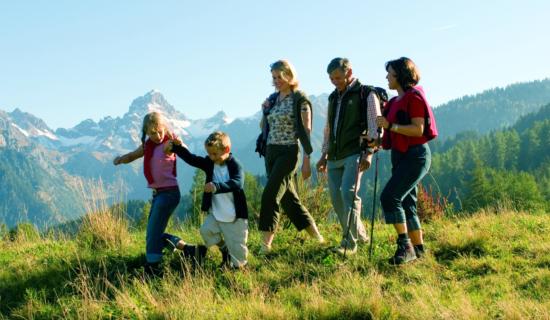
404, 253
419, 250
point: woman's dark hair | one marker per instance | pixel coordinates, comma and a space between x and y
406, 72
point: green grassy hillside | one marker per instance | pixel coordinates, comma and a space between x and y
484, 266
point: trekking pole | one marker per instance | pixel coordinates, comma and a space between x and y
374, 197
357, 172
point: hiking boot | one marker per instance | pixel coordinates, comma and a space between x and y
404, 253
363, 240
240, 268
265, 249
153, 270
419, 250
200, 254
320, 240
344, 251
226, 258
197, 253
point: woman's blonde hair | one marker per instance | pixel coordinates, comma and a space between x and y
288, 72
152, 119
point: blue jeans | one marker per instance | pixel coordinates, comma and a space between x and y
341, 184
399, 195
164, 204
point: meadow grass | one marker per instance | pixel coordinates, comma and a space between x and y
485, 266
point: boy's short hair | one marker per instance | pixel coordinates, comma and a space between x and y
219, 140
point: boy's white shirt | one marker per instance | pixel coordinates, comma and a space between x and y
223, 204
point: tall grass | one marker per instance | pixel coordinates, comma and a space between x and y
103, 226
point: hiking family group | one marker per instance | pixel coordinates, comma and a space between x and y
360, 122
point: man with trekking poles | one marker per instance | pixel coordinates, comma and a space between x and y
351, 116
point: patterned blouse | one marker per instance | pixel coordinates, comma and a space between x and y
281, 122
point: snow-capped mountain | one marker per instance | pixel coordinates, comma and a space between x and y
122, 133
116, 134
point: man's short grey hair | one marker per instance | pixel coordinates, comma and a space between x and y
339, 63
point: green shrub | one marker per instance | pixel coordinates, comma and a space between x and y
24, 232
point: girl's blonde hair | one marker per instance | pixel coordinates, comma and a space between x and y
152, 119
288, 72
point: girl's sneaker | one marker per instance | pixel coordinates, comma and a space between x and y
153, 270
265, 249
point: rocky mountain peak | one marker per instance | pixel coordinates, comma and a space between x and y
27, 121
151, 101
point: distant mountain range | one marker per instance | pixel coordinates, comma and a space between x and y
38, 166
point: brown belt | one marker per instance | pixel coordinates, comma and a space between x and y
164, 189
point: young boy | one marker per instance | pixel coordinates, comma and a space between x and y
227, 222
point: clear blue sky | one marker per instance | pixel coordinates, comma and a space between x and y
66, 61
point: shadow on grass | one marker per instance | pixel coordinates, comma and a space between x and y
62, 280
446, 253
56, 281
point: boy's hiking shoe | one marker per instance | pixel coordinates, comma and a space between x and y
197, 253
226, 259
404, 253
241, 268
420, 251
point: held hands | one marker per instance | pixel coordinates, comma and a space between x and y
364, 141
170, 143
209, 187
117, 160
322, 164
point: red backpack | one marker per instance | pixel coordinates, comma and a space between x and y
430, 127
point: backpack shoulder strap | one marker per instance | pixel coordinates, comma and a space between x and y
430, 128
272, 99
364, 97
299, 98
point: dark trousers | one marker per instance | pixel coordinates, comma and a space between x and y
399, 195
280, 191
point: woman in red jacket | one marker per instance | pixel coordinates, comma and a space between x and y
409, 123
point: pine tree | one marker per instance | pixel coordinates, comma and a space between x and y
195, 196
253, 191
